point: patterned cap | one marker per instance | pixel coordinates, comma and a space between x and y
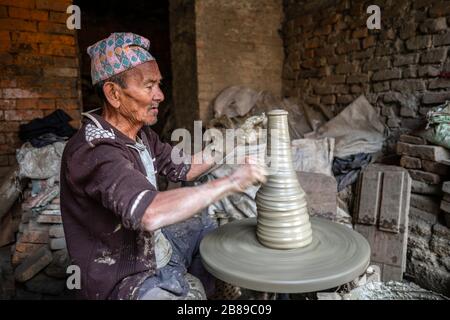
119, 52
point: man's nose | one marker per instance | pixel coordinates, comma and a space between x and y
159, 95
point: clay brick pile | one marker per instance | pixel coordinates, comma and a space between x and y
428, 239
423, 162
39, 256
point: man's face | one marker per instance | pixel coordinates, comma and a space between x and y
142, 95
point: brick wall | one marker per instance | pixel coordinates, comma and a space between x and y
184, 63
331, 56
38, 67
216, 44
238, 43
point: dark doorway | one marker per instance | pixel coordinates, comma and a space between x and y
149, 19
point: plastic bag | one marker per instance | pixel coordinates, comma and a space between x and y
438, 126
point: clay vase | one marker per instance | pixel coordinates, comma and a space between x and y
283, 219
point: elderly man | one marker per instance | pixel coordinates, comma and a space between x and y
130, 240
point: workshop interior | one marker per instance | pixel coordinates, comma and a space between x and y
225, 150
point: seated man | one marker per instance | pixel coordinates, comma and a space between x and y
130, 240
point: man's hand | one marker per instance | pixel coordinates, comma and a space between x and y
248, 174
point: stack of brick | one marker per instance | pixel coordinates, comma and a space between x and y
40, 256
423, 162
428, 249
445, 203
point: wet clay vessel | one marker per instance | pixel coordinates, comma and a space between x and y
283, 219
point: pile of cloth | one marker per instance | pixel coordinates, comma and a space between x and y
44, 131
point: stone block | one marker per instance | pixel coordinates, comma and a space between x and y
446, 187
424, 176
391, 207
434, 56
439, 84
427, 152
429, 218
24, 250
433, 25
445, 206
44, 284
49, 219
408, 86
57, 243
435, 167
321, 191
369, 197
387, 230
425, 188
34, 236
435, 97
56, 231
412, 139
441, 39
426, 203
405, 60
447, 219
33, 265
419, 42
410, 162
57, 268
388, 74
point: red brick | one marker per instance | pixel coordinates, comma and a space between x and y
23, 251
33, 264
6, 149
51, 27
33, 60
3, 159
19, 94
58, 17
54, 5
65, 62
26, 14
8, 83
5, 36
39, 37
3, 12
19, 3
27, 104
67, 104
12, 139
57, 50
17, 25
2, 117
74, 114
12, 160
61, 72
46, 104
19, 115
8, 126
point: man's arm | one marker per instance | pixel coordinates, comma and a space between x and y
199, 164
176, 205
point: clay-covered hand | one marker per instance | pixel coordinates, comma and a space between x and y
247, 175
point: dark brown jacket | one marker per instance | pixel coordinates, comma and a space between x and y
104, 194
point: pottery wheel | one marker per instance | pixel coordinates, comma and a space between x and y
336, 255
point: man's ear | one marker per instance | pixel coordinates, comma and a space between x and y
112, 93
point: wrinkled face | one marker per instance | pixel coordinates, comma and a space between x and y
142, 95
